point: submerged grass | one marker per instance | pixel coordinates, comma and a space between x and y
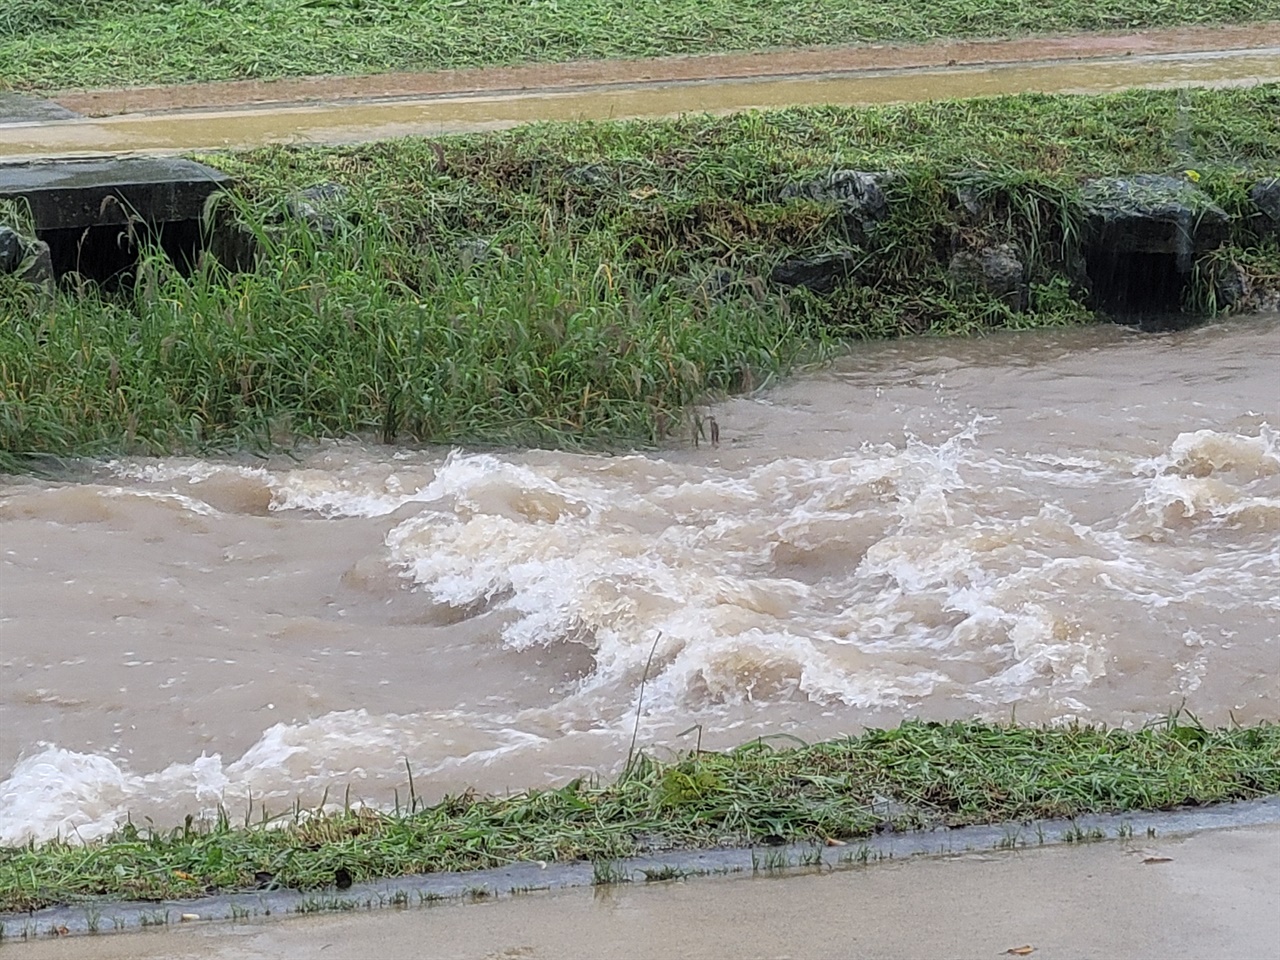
65, 43
932, 774
587, 284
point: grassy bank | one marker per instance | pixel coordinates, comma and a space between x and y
919, 775
66, 43
588, 284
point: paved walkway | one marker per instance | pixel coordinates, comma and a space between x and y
594, 73
1215, 894
161, 120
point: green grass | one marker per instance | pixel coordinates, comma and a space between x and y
67, 43
625, 277
954, 775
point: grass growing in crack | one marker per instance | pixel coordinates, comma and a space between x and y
1010, 840
1077, 834
65, 43
588, 285
769, 861
940, 774
663, 873
861, 856
810, 858
605, 873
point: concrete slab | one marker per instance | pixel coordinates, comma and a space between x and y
25, 108
87, 193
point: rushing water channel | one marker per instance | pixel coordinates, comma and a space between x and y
1077, 524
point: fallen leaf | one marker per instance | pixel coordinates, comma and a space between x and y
1158, 860
833, 842
183, 876
1021, 951
643, 193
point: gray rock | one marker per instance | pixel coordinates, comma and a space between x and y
10, 250
859, 195
234, 244
320, 207
853, 189
1265, 195
821, 273
717, 285
971, 202
37, 265
28, 260
1232, 286
1151, 213
997, 270
475, 250
595, 175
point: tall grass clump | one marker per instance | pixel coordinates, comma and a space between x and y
543, 341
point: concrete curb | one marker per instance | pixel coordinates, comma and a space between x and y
412, 891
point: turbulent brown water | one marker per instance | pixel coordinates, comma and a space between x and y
1080, 524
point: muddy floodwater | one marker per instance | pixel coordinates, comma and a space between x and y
1080, 524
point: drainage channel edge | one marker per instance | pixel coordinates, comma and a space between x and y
101, 917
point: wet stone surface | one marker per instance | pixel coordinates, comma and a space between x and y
65, 194
856, 193
30, 260
320, 207
1265, 195
11, 252
1156, 214
25, 108
821, 273
997, 270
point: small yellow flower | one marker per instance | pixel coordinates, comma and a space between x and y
1192, 175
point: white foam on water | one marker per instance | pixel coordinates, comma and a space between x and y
880, 578
329, 493
1211, 478
174, 470
882, 559
80, 796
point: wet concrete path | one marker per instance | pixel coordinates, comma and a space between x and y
1213, 894
341, 110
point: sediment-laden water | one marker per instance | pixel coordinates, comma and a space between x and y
1063, 525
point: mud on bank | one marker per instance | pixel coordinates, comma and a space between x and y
588, 284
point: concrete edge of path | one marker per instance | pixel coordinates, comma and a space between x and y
108, 917
595, 73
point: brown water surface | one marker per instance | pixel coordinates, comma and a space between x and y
1075, 524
